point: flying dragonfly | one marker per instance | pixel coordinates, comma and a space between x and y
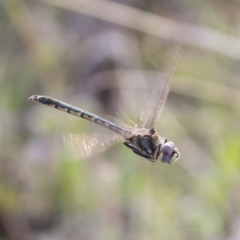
142, 139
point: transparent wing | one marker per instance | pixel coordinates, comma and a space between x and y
133, 88
153, 106
83, 146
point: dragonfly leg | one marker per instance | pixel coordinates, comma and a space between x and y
139, 152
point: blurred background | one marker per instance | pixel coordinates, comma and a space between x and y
72, 51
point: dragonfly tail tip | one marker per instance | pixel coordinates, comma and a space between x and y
33, 98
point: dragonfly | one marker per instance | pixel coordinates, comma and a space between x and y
142, 139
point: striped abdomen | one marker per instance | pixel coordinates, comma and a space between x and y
81, 113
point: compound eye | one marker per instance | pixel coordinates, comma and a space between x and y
169, 153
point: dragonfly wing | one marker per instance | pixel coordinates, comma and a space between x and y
83, 146
153, 107
133, 88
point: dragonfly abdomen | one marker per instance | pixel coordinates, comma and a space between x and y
81, 113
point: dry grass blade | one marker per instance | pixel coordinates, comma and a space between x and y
193, 87
155, 25
216, 92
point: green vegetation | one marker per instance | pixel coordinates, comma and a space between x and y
75, 53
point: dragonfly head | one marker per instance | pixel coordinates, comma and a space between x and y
168, 152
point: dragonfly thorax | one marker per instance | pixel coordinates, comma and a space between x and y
145, 143
148, 144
